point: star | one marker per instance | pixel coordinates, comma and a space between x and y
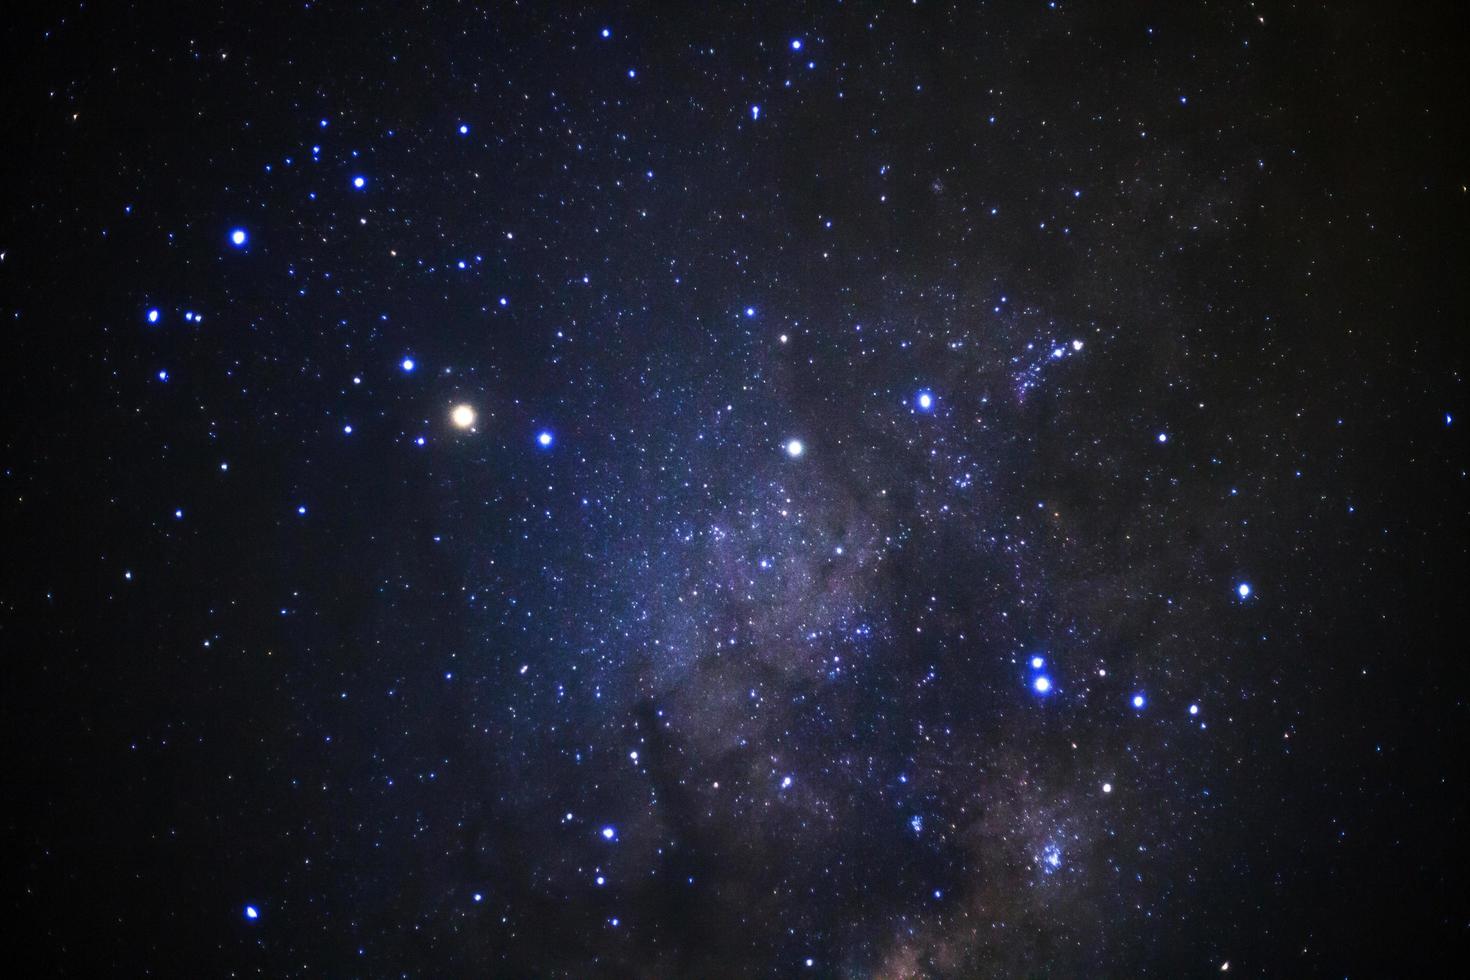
463, 417
238, 237
359, 182
544, 439
252, 913
794, 448
924, 401
1244, 590
1042, 684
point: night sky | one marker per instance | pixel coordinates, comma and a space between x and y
734, 490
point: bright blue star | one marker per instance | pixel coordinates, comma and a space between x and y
1037, 663
755, 112
238, 237
1138, 701
794, 448
607, 32
1042, 684
1243, 590
1194, 709
750, 311
924, 401
162, 375
407, 364
464, 129
544, 438
609, 832
347, 430
252, 913
1163, 437
153, 315
301, 509
796, 44
359, 182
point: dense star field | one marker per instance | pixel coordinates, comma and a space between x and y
732, 490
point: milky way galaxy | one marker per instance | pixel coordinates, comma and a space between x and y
732, 490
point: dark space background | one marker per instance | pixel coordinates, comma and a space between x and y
1184, 283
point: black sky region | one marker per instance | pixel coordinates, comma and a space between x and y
734, 490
